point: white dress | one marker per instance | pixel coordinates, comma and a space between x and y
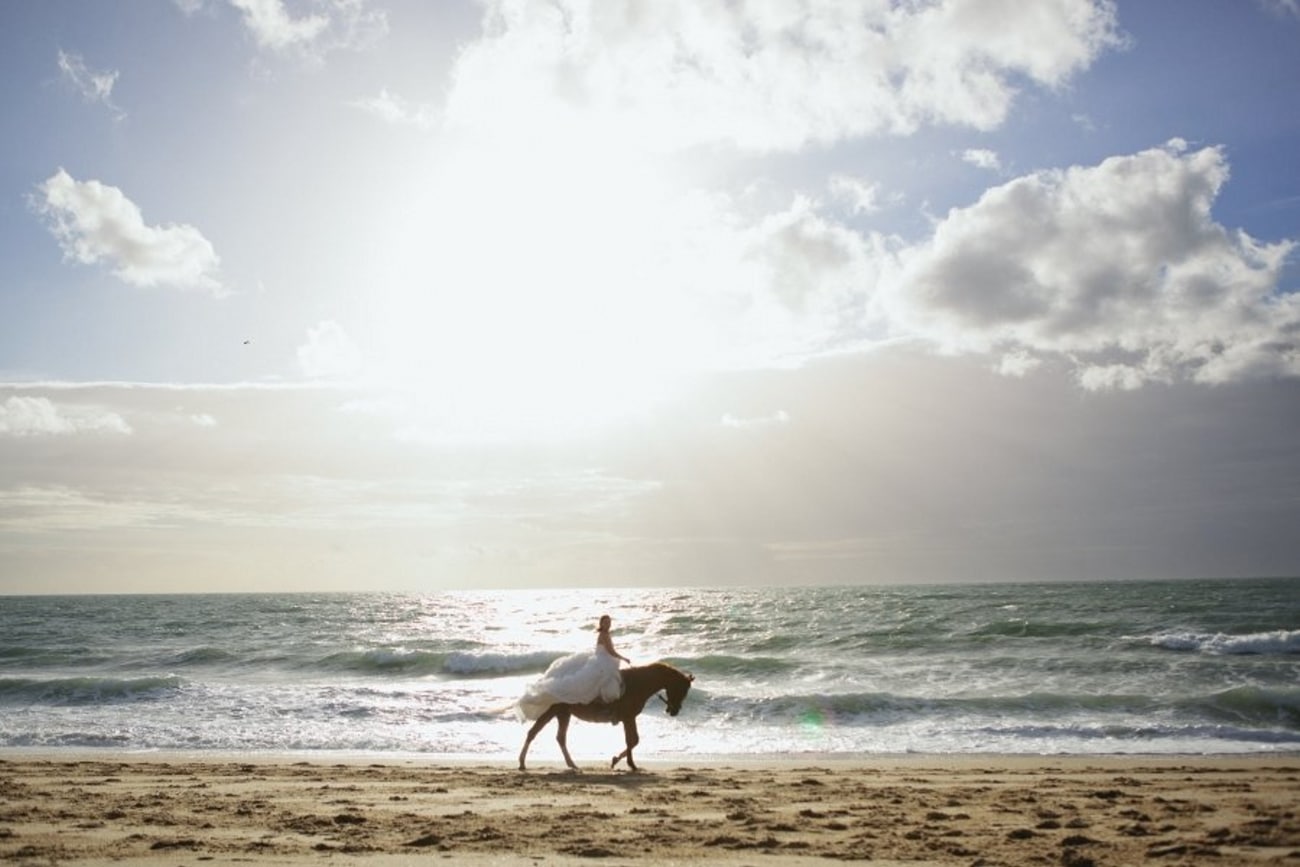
575, 679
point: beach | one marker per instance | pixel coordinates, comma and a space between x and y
120, 808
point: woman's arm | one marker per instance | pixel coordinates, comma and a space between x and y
606, 641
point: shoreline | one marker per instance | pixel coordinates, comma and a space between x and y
95, 807
544, 753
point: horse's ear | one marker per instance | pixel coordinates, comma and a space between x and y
690, 677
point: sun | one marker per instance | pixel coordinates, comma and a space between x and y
541, 295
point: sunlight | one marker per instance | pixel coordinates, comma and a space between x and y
539, 302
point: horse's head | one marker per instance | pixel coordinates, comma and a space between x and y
676, 691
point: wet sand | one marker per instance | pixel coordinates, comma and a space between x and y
971, 810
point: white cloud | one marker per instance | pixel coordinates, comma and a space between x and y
768, 290
339, 24
329, 352
862, 197
1117, 270
982, 158
53, 509
768, 76
812, 271
94, 222
23, 416
274, 28
1018, 364
1282, 7
391, 108
93, 85
776, 419
1118, 267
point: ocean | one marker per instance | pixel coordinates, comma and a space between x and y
1182, 667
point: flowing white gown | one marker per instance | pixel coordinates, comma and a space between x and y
575, 679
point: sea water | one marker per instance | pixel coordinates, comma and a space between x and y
1089, 668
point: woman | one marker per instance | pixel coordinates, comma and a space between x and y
578, 678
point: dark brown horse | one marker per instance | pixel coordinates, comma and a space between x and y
639, 683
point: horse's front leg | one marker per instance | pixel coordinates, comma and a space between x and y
548, 715
632, 738
563, 716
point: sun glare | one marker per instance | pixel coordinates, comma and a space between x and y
536, 301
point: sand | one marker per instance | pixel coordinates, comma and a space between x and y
974, 810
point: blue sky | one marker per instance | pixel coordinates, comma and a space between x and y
352, 293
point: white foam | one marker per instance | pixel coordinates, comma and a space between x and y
1274, 642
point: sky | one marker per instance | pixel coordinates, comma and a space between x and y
397, 295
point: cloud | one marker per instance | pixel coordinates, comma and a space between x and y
94, 222
23, 416
274, 28
59, 509
1018, 363
1117, 272
862, 197
776, 419
1282, 7
329, 352
809, 272
768, 76
391, 108
340, 24
1117, 267
765, 290
982, 158
93, 86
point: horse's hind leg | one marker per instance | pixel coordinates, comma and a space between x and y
547, 716
562, 720
632, 738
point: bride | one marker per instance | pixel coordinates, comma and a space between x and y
578, 678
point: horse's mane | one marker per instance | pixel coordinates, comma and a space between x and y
661, 667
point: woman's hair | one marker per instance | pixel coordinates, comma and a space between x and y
604, 621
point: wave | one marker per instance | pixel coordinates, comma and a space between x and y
79, 658
879, 705
1252, 704
22, 652
1242, 706
382, 661
745, 666
87, 690
200, 656
48, 657
1187, 735
464, 663
387, 661
1278, 641
1022, 628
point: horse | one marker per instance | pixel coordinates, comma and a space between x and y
639, 683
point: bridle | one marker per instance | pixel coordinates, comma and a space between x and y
660, 694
